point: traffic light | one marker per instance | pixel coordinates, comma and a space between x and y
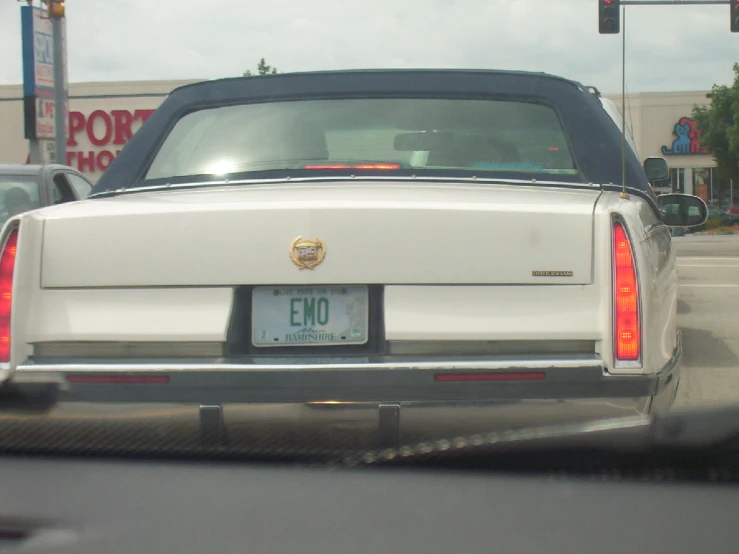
734, 8
56, 8
609, 17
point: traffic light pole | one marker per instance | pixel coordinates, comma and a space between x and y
624, 194
60, 90
671, 2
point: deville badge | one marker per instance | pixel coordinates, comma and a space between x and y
307, 254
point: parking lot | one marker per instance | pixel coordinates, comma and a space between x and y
708, 313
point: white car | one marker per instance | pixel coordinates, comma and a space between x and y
453, 249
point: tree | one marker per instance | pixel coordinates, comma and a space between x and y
262, 69
719, 127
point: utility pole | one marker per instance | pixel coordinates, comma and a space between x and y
60, 90
56, 14
624, 194
731, 192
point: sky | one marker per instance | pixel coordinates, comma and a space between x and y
667, 47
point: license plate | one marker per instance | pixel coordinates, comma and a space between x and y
309, 316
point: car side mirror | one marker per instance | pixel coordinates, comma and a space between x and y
656, 169
683, 210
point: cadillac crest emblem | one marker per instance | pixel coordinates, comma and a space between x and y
307, 254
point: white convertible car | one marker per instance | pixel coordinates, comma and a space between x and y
446, 251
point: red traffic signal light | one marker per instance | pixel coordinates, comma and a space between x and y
609, 17
734, 9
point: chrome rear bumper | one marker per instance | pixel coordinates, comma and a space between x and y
384, 380
320, 405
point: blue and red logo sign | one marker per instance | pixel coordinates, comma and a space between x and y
687, 139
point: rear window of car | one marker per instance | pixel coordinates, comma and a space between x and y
18, 194
427, 134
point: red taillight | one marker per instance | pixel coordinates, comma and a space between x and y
626, 297
7, 265
354, 166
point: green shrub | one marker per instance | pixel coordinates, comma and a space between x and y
712, 224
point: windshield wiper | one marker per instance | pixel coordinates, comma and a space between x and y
697, 443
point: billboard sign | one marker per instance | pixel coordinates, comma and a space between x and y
687, 139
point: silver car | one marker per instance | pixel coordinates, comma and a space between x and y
28, 187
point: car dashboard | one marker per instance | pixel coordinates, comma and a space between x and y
96, 505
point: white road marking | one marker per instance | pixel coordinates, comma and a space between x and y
696, 285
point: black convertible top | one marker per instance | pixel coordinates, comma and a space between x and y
595, 139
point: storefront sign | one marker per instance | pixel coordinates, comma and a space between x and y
38, 74
687, 141
105, 131
97, 138
45, 117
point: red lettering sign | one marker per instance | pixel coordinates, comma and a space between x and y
102, 128
107, 126
76, 124
122, 120
104, 159
46, 109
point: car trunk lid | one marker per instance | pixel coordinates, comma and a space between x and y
387, 233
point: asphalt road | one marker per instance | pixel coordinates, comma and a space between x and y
708, 313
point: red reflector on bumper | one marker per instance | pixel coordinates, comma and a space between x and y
450, 377
127, 379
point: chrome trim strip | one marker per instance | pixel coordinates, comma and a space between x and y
78, 350
290, 180
450, 348
472, 365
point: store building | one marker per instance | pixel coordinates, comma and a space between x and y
662, 126
104, 116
